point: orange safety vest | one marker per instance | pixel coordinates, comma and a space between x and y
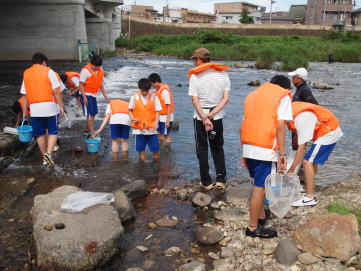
119, 106
69, 76
21, 102
206, 66
93, 83
37, 84
159, 93
327, 121
145, 114
259, 126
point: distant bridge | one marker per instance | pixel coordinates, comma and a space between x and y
55, 26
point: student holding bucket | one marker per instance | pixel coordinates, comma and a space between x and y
312, 122
42, 90
266, 111
144, 108
117, 113
18, 108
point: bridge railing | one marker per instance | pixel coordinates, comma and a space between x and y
86, 50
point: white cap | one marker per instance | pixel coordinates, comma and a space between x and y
300, 72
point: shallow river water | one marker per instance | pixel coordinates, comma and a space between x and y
178, 164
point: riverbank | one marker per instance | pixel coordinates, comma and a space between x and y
291, 51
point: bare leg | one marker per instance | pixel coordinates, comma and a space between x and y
42, 142
90, 123
156, 155
168, 139
160, 138
142, 156
124, 145
80, 108
256, 206
310, 177
115, 145
51, 143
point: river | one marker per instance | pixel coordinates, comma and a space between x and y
178, 164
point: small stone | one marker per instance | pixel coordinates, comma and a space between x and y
166, 222
148, 264
227, 252
286, 252
142, 248
30, 180
200, 259
172, 251
214, 205
182, 194
48, 227
148, 237
195, 250
26, 267
59, 226
269, 248
135, 269
209, 236
307, 258
225, 241
254, 83
223, 265
193, 266
179, 85
152, 225
11, 220
202, 200
213, 256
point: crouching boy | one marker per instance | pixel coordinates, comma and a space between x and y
144, 110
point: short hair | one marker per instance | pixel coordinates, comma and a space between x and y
144, 84
96, 60
155, 77
206, 58
16, 107
64, 78
282, 81
39, 58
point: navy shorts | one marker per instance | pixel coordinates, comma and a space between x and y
92, 107
42, 124
318, 154
259, 170
162, 130
141, 141
76, 94
119, 131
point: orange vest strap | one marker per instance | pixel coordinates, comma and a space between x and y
159, 93
69, 76
119, 106
93, 83
144, 113
206, 66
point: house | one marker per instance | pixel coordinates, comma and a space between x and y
231, 12
145, 12
184, 15
356, 17
280, 17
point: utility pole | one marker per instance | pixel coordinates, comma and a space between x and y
270, 15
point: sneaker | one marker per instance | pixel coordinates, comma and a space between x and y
49, 160
221, 184
305, 201
56, 148
261, 232
302, 189
206, 187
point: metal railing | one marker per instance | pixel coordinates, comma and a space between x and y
86, 50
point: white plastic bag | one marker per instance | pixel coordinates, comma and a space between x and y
281, 191
65, 122
78, 201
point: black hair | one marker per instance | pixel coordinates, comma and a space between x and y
96, 60
16, 107
206, 58
39, 58
282, 81
63, 78
154, 77
144, 84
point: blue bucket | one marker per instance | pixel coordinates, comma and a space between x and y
92, 144
25, 132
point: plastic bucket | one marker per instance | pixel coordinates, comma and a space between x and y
92, 144
25, 132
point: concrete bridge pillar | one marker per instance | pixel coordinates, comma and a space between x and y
49, 26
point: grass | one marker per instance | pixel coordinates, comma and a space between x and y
291, 51
342, 209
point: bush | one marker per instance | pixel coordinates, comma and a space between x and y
292, 62
265, 59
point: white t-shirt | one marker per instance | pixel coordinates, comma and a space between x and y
45, 109
157, 107
209, 87
305, 123
119, 118
284, 112
166, 97
62, 87
75, 80
84, 75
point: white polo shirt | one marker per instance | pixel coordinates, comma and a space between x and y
119, 118
84, 75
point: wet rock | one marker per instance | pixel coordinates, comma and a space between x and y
9, 143
208, 235
166, 222
227, 252
135, 189
320, 85
286, 252
238, 195
254, 83
307, 258
330, 235
59, 226
230, 213
223, 265
67, 249
135, 269
213, 256
182, 194
172, 251
175, 125
225, 241
202, 200
240, 65
193, 266
142, 248
48, 227
123, 205
215, 205
148, 264
152, 225
180, 85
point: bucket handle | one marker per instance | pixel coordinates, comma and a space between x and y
22, 124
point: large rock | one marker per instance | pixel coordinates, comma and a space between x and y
202, 200
320, 85
254, 83
9, 143
124, 206
193, 266
238, 195
229, 213
286, 252
208, 235
165, 221
90, 238
330, 235
223, 265
135, 189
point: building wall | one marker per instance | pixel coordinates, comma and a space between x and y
316, 10
232, 7
229, 18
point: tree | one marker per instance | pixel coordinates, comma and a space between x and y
246, 19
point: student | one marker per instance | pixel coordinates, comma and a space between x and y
42, 89
18, 108
91, 81
266, 111
71, 80
144, 108
118, 113
312, 122
166, 115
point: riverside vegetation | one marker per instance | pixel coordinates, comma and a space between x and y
290, 51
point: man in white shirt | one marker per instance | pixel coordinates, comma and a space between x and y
313, 122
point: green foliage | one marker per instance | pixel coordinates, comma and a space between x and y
342, 209
246, 19
292, 62
265, 59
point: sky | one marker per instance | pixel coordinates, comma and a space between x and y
207, 5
